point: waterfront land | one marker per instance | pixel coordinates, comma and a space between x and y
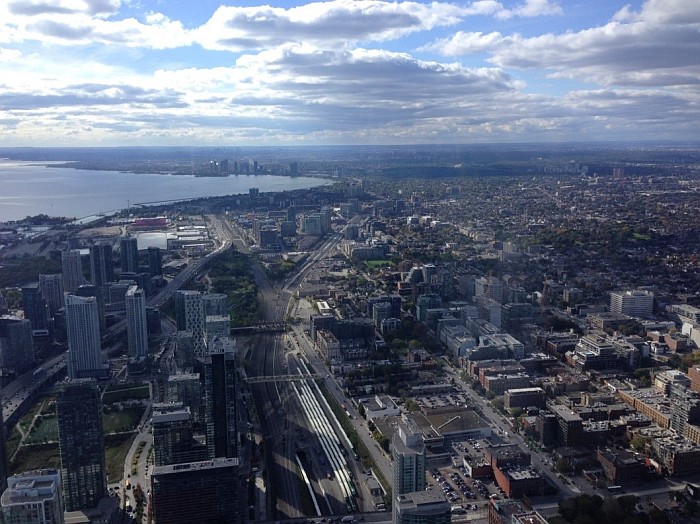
467, 292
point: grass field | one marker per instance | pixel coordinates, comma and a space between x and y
36, 457
26, 420
45, 429
125, 419
116, 448
34, 453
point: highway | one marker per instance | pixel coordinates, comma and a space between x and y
25, 387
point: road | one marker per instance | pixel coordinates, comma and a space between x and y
498, 421
24, 388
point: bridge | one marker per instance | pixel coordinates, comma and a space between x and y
282, 378
260, 327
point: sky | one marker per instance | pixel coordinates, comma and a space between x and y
186, 72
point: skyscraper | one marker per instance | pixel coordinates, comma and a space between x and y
172, 436
189, 312
101, 264
16, 344
215, 304
35, 309
196, 492
83, 330
220, 399
72, 269
137, 332
88, 290
408, 451
52, 290
129, 254
33, 497
186, 388
81, 444
155, 261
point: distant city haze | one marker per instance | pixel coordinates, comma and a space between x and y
29, 189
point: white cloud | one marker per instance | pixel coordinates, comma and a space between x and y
531, 8
313, 74
9, 55
63, 7
248, 28
659, 46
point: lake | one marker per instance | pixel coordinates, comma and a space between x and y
30, 189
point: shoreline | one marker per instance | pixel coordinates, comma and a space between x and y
33, 191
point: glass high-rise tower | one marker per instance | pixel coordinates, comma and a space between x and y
81, 444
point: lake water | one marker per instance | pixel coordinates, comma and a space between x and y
30, 189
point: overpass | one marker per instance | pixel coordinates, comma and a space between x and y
261, 327
281, 378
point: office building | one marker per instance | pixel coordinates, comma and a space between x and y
135, 301
16, 344
88, 290
189, 313
33, 497
215, 304
129, 255
155, 261
173, 442
72, 270
35, 309
101, 265
408, 451
312, 224
326, 214
186, 388
217, 326
51, 287
381, 311
422, 507
569, 426
220, 417
81, 444
196, 492
512, 512
83, 331
637, 303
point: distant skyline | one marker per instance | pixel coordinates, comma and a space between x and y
183, 73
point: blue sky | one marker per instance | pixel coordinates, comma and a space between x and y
177, 72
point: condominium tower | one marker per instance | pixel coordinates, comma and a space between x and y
81, 444
136, 325
83, 330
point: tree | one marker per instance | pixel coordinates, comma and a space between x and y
361, 410
563, 465
383, 441
639, 443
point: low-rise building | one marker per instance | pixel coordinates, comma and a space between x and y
676, 455
524, 397
621, 467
